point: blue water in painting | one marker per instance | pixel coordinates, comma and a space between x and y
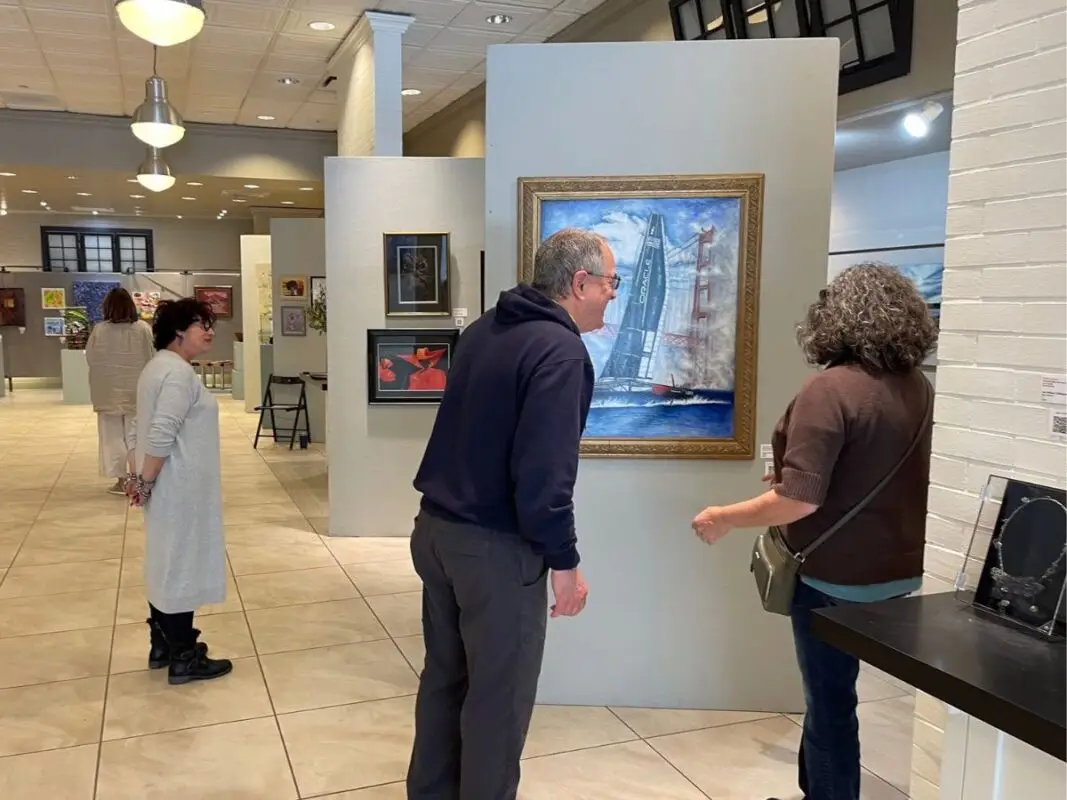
709, 413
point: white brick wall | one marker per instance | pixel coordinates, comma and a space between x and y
1004, 310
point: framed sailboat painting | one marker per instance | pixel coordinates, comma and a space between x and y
675, 361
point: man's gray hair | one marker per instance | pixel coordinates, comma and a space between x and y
563, 254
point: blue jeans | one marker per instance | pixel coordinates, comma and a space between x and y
829, 759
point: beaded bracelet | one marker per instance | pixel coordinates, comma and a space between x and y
140, 486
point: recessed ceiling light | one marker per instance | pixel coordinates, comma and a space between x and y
239, 200
7, 174
307, 188
288, 203
85, 194
72, 177
251, 185
188, 198
137, 196
498, 19
179, 216
96, 213
131, 180
29, 191
265, 118
194, 183
321, 26
410, 92
288, 81
43, 204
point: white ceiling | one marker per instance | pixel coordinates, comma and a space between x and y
74, 55
878, 136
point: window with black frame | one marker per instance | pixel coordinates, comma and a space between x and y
96, 250
875, 35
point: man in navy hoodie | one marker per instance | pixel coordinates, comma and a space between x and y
497, 519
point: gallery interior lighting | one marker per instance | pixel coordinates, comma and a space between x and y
164, 23
498, 19
321, 26
917, 123
156, 122
410, 92
265, 118
154, 173
7, 174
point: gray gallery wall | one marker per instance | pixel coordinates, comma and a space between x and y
374, 452
671, 621
298, 247
33, 355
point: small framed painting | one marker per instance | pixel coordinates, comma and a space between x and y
293, 287
409, 366
54, 298
294, 321
13, 308
55, 326
218, 298
317, 287
417, 275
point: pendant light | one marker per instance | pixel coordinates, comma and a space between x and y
156, 122
154, 173
162, 22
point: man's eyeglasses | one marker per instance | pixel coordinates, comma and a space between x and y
615, 280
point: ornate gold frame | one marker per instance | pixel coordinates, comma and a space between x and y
747, 187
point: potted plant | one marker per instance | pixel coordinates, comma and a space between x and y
77, 325
316, 311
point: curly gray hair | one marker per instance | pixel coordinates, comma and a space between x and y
869, 315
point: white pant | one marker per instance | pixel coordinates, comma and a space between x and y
115, 432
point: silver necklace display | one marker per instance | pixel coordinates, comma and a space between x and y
1008, 587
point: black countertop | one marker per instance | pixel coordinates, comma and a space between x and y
1003, 676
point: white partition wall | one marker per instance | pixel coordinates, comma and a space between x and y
255, 259
671, 622
374, 452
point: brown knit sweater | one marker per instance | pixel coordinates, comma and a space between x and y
838, 438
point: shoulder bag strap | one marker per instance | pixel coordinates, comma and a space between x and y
807, 551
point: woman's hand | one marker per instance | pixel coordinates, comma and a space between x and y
710, 525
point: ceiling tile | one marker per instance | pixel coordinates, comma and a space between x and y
216, 102
257, 16
356, 7
445, 60
315, 117
324, 96
223, 59
419, 34
579, 6
281, 111
436, 12
34, 79
220, 81
219, 38
73, 43
94, 65
542, 4
21, 58
294, 65
12, 19
266, 86
465, 83
87, 6
551, 24
465, 41
80, 104
427, 79
305, 46
214, 116
474, 16
66, 22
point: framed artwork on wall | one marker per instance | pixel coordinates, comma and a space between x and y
675, 361
12, 308
317, 287
147, 303
924, 264
409, 366
55, 326
294, 321
417, 275
293, 287
481, 273
218, 298
90, 296
54, 298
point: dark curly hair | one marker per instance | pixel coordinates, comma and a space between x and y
174, 316
869, 315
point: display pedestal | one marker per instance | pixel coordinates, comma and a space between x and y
983, 763
74, 371
237, 379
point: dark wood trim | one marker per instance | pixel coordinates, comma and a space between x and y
895, 249
113, 233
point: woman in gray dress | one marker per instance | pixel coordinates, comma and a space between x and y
175, 475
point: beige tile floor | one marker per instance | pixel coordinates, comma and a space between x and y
325, 638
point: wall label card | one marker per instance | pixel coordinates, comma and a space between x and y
766, 451
1054, 390
459, 312
459, 322
768, 468
1057, 424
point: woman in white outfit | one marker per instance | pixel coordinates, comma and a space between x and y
118, 349
175, 475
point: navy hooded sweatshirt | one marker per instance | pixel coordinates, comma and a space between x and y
504, 449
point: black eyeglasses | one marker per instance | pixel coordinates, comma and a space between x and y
616, 281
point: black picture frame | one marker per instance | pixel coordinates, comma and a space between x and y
417, 274
413, 360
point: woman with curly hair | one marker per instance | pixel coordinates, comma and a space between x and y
849, 426
175, 475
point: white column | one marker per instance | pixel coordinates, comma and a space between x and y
369, 69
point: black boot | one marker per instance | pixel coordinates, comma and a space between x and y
189, 664
159, 654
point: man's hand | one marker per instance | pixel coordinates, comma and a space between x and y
710, 526
570, 591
